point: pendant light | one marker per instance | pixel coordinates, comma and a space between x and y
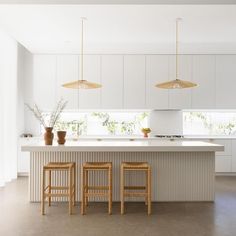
177, 83
82, 83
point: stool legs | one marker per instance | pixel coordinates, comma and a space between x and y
110, 190
147, 188
122, 191
70, 191
146, 198
82, 191
96, 166
70, 188
49, 186
86, 187
43, 193
74, 184
149, 191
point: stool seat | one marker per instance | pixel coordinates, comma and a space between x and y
97, 165
135, 165
59, 165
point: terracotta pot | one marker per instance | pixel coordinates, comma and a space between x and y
48, 136
61, 137
145, 135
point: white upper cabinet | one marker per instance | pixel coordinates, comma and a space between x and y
134, 82
91, 98
112, 81
156, 72
203, 96
44, 77
67, 71
180, 98
225, 81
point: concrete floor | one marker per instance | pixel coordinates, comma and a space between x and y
18, 217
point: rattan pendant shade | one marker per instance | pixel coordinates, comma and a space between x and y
82, 83
177, 83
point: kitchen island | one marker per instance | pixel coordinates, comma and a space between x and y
181, 170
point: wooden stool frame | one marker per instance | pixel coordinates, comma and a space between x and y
135, 166
85, 194
70, 189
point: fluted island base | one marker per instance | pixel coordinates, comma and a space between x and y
176, 176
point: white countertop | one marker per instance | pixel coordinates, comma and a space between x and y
125, 146
139, 138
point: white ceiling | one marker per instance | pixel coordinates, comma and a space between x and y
121, 28
117, 1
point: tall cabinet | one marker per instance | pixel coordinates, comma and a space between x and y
112, 72
134, 82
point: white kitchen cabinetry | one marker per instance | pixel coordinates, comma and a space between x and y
224, 159
134, 82
44, 81
225, 81
67, 71
23, 158
203, 96
112, 81
234, 155
91, 98
156, 72
180, 98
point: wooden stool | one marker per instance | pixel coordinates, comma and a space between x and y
135, 166
70, 189
95, 166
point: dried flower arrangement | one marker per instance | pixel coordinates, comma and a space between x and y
54, 116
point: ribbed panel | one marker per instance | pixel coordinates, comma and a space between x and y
180, 176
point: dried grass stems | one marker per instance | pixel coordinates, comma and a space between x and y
54, 116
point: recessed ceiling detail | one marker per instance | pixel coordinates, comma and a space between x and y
121, 28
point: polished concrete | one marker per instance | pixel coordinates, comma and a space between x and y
18, 217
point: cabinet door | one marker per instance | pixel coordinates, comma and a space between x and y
112, 82
227, 143
91, 98
234, 155
180, 98
134, 82
223, 164
67, 71
203, 96
156, 72
44, 77
225, 81
224, 159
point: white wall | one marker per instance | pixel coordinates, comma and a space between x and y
8, 111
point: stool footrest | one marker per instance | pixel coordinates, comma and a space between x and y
96, 187
56, 195
135, 194
135, 187
96, 194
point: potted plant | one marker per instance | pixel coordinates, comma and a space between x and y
54, 116
146, 131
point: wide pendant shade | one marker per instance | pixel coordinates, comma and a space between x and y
176, 84
82, 84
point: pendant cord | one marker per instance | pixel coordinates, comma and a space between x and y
82, 51
177, 50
